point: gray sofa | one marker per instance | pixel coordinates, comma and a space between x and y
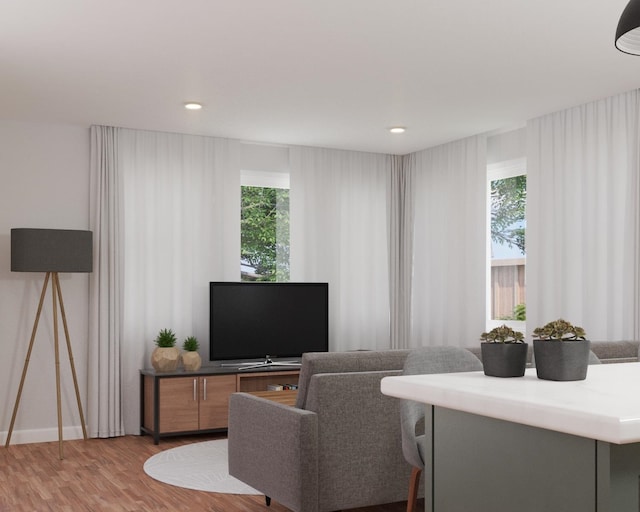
340, 446
616, 351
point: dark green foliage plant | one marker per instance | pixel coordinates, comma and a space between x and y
166, 338
190, 344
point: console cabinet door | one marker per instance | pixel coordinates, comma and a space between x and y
178, 404
214, 400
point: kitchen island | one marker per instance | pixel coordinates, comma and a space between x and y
529, 445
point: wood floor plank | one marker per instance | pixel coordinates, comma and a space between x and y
106, 475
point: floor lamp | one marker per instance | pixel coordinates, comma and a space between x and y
51, 251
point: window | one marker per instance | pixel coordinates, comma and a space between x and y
264, 226
507, 197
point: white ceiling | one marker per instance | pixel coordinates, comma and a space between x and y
331, 73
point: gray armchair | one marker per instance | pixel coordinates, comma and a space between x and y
339, 448
419, 362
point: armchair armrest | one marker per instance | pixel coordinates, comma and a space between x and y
274, 449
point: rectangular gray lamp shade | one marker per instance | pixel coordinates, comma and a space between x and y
51, 250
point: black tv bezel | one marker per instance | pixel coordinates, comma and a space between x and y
261, 357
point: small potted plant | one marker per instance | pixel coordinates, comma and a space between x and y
166, 356
561, 351
504, 352
191, 360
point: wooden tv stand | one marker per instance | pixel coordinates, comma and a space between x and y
178, 403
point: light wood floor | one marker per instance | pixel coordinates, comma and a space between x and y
106, 475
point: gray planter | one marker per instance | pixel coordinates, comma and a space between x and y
504, 359
561, 360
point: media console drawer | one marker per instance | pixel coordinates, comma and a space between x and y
175, 403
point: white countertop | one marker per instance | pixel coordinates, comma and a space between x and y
605, 406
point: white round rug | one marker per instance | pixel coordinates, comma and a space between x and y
199, 466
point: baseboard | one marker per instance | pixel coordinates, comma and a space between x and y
44, 435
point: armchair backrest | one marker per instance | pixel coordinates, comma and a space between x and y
360, 460
345, 362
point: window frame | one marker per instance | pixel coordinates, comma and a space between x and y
263, 179
496, 171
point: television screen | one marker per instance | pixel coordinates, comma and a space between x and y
250, 320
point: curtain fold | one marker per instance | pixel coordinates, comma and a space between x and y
401, 218
582, 217
181, 230
104, 395
165, 215
339, 235
448, 296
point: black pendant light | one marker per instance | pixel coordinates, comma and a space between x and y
628, 33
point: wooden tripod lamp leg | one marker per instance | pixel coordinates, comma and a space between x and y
73, 366
27, 359
54, 296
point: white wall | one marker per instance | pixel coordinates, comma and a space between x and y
44, 183
264, 157
508, 145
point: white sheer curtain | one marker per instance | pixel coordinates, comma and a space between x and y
582, 217
449, 245
339, 222
104, 411
174, 203
182, 230
401, 219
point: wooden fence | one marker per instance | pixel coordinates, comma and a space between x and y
507, 286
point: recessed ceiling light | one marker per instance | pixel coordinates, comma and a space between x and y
193, 106
398, 129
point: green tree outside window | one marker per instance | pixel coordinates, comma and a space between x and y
264, 228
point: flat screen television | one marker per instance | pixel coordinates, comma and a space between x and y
259, 321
